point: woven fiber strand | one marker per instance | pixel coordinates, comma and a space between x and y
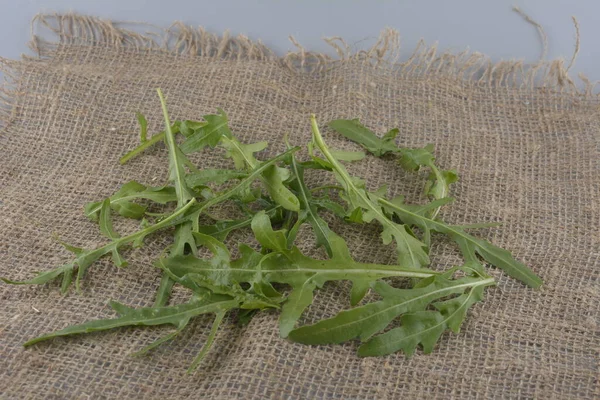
524, 138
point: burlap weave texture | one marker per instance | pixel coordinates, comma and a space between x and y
524, 139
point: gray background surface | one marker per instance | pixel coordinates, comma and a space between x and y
486, 26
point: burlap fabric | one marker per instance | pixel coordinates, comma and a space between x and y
524, 139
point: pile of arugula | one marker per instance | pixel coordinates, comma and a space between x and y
435, 301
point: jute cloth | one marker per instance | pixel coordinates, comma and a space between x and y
524, 138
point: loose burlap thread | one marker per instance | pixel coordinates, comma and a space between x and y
524, 138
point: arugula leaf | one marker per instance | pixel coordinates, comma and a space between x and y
423, 327
87, 257
439, 181
216, 176
177, 160
355, 131
411, 159
288, 266
468, 244
365, 321
308, 210
305, 274
221, 228
177, 316
411, 251
209, 134
106, 227
107, 230
343, 155
221, 275
273, 177
183, 239
254, 174
188, 128
122, 203
327, 203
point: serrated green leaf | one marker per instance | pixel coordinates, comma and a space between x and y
308, 207
273, 177
209, 134
411, 251
305, 274
177, 160
220, 275
439, 181
367, 320
105, 222
122, 200
290, 266
423, 327
86, 257
355, 131
468, 244
188, 128
106, 228
326, 203
221, 228
243, 185
242, 154
215, 176
343, 155
266, 236
184, 241
178, 316
414, 159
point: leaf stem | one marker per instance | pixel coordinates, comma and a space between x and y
209, 341
399, 231
142, 147
315, 189
164, 291
442, 181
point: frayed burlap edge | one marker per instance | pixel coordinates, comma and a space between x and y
187, 41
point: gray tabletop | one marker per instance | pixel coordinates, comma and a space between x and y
489, 27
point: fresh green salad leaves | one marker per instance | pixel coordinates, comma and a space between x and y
430, 302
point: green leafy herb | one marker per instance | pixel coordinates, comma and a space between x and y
208, 134
122, 202
275, 201
468, 244
178, 316
273, 177
214, 176
439, 181
355, 131
308, 210
411, 251
365, 321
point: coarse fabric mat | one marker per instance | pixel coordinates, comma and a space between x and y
525, 140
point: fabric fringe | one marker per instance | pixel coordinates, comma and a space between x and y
186, 41
8, 93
